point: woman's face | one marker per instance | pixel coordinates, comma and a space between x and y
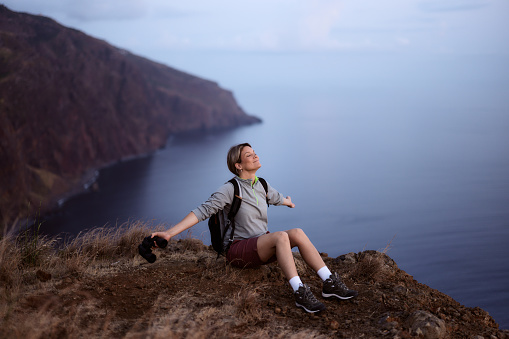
249, 161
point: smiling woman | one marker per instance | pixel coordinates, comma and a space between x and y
252, 245
243, 157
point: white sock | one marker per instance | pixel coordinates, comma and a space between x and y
295, 282
324, 273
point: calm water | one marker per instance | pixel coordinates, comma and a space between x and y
420, 160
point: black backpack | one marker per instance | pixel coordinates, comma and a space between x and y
216, 235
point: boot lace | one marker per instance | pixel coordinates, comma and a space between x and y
309, 295
336, 280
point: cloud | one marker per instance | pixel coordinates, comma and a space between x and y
403, 41
317, 23
169, 40
283, 25
227, 25
452, 5
89, 10
97, 10
279, 26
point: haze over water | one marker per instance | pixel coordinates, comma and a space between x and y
411, 153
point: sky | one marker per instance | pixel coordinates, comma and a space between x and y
216, 39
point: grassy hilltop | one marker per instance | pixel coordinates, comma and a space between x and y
96, 285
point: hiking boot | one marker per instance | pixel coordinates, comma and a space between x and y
304, 298
334, 287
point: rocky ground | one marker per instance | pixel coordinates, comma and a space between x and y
188, 293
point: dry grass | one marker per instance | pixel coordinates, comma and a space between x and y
29, 258
103, 244
97, 286
38, 299
23, 255
107, 243
372, 266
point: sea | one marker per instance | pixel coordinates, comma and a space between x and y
407, 156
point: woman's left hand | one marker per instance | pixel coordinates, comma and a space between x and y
288, 202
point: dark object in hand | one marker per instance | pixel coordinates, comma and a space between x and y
145, 248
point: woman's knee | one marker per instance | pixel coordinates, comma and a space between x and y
296, 233
273, 240
268, 244
297, 236
281, 238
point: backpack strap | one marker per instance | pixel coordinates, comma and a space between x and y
234, 208
266, 187
237, 198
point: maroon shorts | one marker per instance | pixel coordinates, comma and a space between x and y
244, 254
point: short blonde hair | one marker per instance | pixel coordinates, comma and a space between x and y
234, 157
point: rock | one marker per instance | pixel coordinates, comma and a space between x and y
349, 258
400, 289
43, 276
390, 325
425, 324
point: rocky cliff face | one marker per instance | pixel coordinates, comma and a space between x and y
70, 103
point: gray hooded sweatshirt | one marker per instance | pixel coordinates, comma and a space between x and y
251, 219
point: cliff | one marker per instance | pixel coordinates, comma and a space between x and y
98, 286
70, 103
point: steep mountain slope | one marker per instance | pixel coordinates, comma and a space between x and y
70, 103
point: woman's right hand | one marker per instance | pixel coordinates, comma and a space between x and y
189, 221
163, 235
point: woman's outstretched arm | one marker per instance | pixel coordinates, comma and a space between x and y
189, 221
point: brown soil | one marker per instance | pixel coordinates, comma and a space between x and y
189, 293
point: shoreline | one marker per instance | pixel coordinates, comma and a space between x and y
88, 180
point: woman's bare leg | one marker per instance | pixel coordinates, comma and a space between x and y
278, 243
306, 248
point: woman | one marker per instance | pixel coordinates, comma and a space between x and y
253, 245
